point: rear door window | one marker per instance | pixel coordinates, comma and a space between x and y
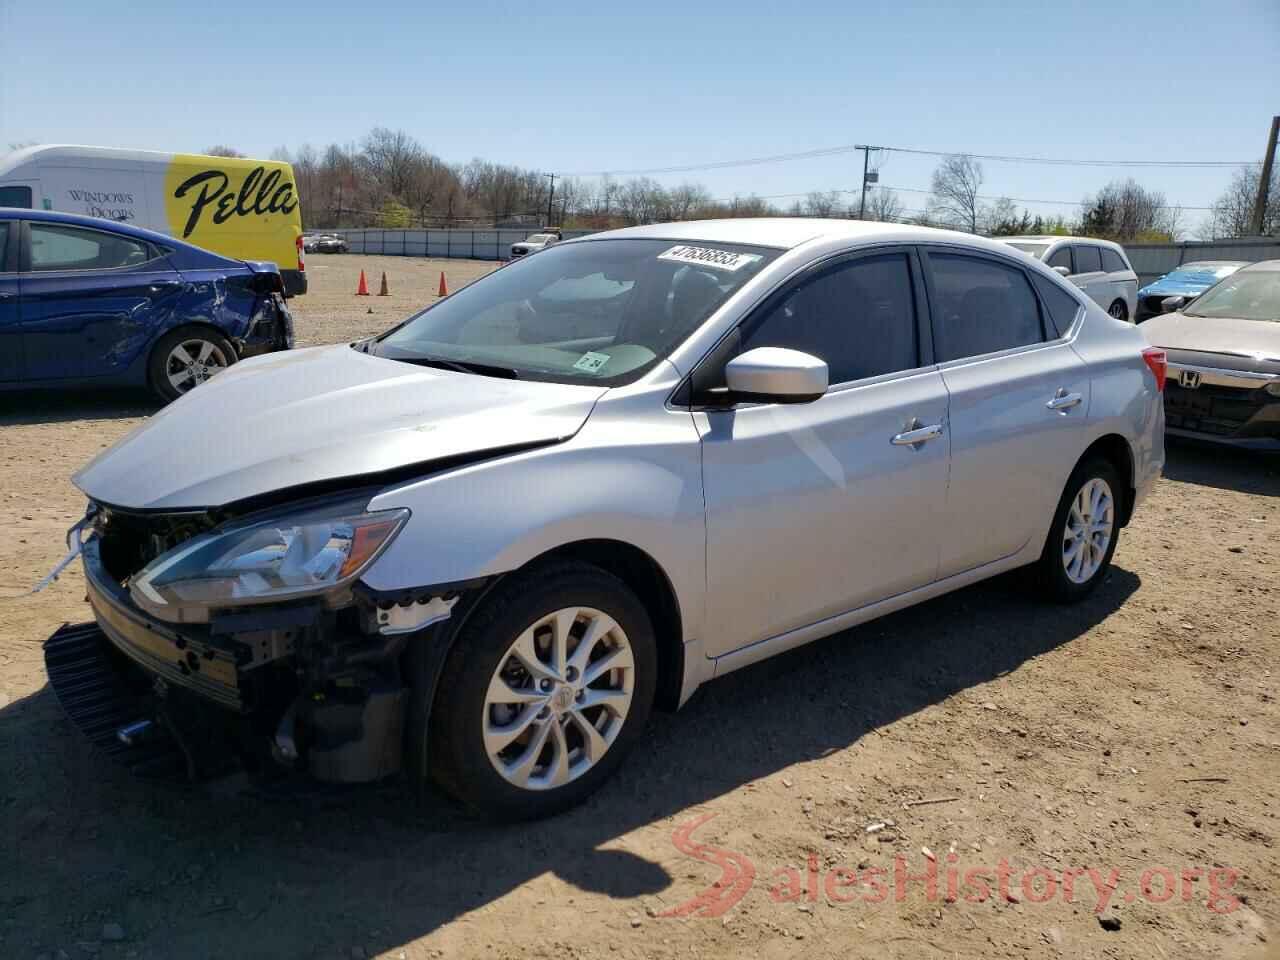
57, 247
858, 316
1087, 259
4, 246
1112, 262
1061, 258
980, 307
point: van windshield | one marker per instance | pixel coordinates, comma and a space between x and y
593, 312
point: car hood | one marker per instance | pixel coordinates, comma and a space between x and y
322, 414
1187, 285
1259, 339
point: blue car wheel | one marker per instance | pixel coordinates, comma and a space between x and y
184, 358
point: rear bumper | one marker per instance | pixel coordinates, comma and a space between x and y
272, 329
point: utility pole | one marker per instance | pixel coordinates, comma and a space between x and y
866, 162
1264, 181
550, 196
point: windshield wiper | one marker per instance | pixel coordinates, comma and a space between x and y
463, 366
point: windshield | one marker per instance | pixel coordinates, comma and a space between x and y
1035, 249
540, 238
1198, 271
1252, 295
595, 311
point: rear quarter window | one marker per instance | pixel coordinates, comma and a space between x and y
1061, 306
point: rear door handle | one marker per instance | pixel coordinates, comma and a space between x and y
917, 435
1064, 401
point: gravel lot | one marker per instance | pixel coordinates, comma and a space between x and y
1135, 732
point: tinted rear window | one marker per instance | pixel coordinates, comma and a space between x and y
1112, 261
982, 307
15, 197
1087, 259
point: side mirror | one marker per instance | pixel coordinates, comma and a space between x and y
1172, 304
776, 375
1062, 271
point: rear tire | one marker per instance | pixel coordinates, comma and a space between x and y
527, 724
184, 358
1082, 539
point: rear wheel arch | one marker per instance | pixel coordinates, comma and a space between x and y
161, 344
1116, 450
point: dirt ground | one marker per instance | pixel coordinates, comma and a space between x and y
1135, 733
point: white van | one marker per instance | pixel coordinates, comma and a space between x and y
1098, 267
241, 208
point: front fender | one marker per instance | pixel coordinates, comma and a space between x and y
637, 481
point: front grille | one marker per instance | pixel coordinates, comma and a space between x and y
1212, 409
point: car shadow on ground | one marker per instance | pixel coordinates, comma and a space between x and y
188, 871
1210, 465
22, 408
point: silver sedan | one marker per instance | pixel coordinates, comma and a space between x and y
482, 546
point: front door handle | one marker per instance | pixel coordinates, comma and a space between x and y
917, 435
1063, 401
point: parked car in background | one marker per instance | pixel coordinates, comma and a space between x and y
491, 567
309, 242
91, 302
1224, 360
1098, 267
240, 208
1189, 280
330, 243
539, 241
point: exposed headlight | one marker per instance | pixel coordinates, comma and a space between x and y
299, 555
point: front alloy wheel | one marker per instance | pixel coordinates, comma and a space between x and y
559, 698
547, 686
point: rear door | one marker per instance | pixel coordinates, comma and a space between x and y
1122, 282
92, 300
10, 332
1019, 396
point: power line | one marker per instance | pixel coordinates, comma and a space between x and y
1065, 203
850, 148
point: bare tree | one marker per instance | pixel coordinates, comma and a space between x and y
685, 200
392, 158
883, 205
819, 204
221, 150
955, 187
1126, 211
1232, 213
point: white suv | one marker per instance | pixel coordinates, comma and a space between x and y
1098, 267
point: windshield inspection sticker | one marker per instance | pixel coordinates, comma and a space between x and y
708, 257
591, 362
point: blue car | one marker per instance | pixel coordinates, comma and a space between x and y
89, 302
1188, 280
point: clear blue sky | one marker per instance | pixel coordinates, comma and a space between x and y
573, 86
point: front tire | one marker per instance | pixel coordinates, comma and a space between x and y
546, 689
1085, 530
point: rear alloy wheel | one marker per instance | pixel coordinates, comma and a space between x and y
1085, 529
184, 359
1119, 311
546, 688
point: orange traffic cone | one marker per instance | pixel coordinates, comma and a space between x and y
363, 289
384, 292
444, 288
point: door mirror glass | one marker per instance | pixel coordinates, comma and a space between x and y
1173, 304
776, 375
1062, 271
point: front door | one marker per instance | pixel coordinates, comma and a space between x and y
90, 300
814, 509
1019, 396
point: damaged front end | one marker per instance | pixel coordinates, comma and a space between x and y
227, 643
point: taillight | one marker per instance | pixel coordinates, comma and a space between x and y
1158, 361
298, 242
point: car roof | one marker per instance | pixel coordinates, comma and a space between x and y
1269, 266
1205, 264
99, 223
1051, 239
786, 233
